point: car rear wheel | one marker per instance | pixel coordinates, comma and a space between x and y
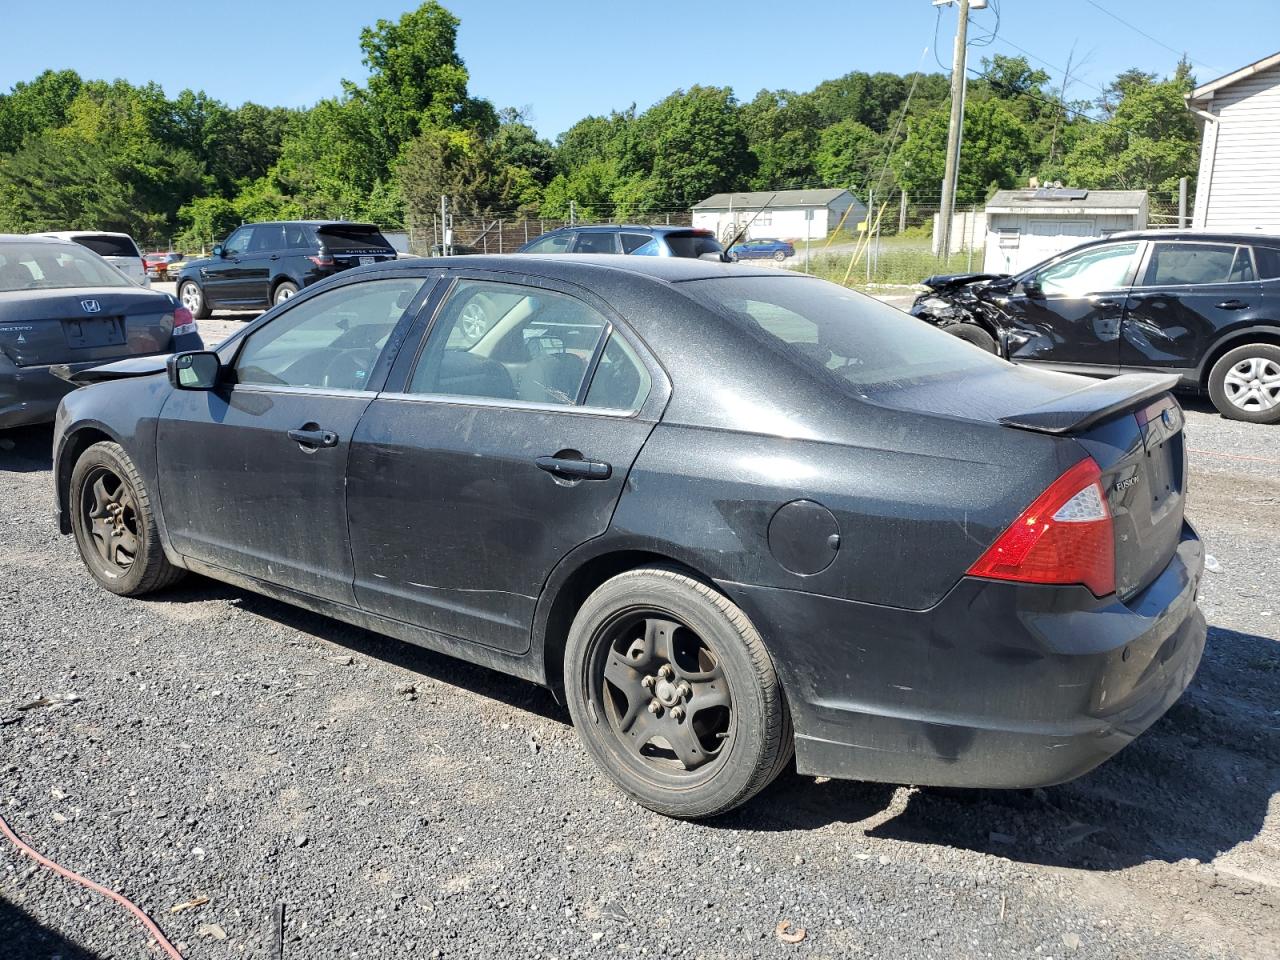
780, 255
971, 333
674, 694
284, 291
1245, 383
114, 525
192, 298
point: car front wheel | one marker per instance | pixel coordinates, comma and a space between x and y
675, 695
780, 255
1245, 383
192, 298
114, 526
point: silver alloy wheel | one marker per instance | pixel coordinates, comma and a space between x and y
285, 292
1253, 384
191, 296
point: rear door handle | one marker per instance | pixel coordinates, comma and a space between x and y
274, 256
577, 469
314, 438
1233, 305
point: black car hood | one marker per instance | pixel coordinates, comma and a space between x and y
948, 282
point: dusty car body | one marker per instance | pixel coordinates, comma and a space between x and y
725, 509
1202, 306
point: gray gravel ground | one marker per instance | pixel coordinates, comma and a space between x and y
401, 803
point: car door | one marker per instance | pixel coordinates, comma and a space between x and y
1188, 294
221, 276
492, 453
1068, 312
257, 267
253, 472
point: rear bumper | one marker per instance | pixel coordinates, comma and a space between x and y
999, 685
29, 394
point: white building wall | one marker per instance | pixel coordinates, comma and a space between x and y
787, 223
1243, 191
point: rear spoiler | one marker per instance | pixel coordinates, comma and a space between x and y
1083, 408
81, 373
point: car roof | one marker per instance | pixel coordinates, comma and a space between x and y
311, 223
660, 228
32, 238
1220, 236
72, 234
580, 267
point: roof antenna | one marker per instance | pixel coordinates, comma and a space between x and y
737, 237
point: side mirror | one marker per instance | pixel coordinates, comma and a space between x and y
217, 251
194, 370
1032, 288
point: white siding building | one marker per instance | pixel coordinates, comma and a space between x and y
784, 214
1238, 187
1027, 226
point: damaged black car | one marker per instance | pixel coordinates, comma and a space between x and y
1203, 306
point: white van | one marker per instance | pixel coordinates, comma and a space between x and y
118, 249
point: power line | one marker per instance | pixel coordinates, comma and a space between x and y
1051, 66
1159, 43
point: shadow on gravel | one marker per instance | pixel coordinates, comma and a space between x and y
24, 936
31, 452
436, 666
1196, 784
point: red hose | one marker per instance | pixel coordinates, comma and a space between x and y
147, 922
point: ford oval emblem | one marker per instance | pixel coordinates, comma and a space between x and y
91, 306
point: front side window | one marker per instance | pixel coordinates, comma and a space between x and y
331, 341
1191, 263
1093, 270
552, 243
237, 244
504, 341
45, 266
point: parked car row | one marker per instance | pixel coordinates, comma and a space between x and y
1202, 306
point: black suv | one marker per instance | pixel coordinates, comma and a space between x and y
635, 240
262, 264
1204, 306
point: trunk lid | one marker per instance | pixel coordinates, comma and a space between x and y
42, 327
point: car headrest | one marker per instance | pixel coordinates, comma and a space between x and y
552, 378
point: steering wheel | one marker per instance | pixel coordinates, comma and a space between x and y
349, 370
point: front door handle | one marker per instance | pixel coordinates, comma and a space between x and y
274, 256
1233, 305
574, 468
314, 437
1105, 302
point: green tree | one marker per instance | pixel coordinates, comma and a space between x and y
996, 149
31, 108
782, 129
850, 154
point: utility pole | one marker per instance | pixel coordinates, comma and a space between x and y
902, 213
573, 213
1182, 203
958, 66
445, 238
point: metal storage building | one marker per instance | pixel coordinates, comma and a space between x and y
1027, 226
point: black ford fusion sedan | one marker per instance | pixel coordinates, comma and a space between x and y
63, 304
728, 512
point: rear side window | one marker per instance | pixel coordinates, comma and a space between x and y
593, 241
1268, 259
1193, 263
835, 333
346, 237
269, 236
692, 244
296, 236
551, 243
105, 245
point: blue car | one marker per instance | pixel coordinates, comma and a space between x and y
763, 249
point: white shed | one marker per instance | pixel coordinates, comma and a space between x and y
784, 214
1238, 187
1027, 226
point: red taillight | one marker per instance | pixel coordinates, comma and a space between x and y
1065, 536
183, 321
324, 262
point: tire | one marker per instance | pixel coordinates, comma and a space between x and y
284, 291
95, 525
780, 255
656, 634
972, 333
192, 298
1245, 383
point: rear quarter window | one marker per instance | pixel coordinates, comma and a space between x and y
691, 244
1268, 260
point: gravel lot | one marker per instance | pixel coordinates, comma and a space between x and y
401, 803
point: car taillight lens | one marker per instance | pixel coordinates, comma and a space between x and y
322, 261
183, 321
1065, 536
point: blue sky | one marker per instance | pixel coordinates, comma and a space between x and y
565, 59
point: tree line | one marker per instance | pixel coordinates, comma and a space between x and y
77, 153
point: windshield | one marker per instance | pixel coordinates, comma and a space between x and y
838, 333
46, 266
